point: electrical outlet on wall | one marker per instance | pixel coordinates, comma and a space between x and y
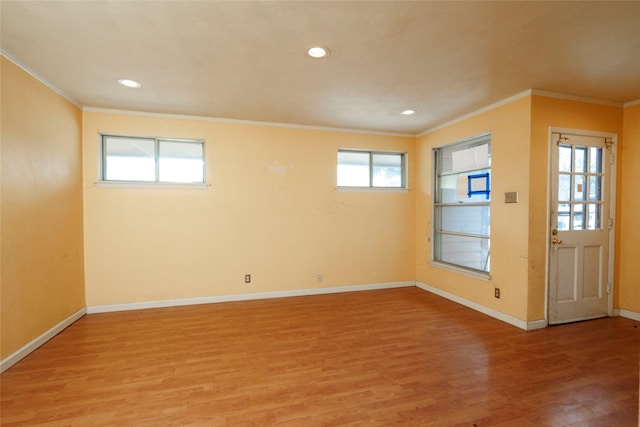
497, 292
247, 278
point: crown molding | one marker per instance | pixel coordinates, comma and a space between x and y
631, 103
39, 78
243, 122
489, 107
575, 98
528, 92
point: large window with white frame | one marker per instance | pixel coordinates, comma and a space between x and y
461, 223
149, 160
371, 169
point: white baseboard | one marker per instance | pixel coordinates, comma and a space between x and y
629, 314
14, 358
243, 297
527, 326
537, 324
37, 342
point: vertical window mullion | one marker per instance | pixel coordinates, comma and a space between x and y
157, 156
204, 170
403, 163
103, 158
371, 169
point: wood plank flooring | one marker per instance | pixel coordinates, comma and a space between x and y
376, 358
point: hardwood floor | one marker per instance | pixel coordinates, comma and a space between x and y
391, 357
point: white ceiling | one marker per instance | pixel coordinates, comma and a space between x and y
247, 59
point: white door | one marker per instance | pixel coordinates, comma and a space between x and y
580, 227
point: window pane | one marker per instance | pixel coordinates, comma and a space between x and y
455, 188
470, 252
581, 159
479, 186
579, 188
181, 162
353, 169
467, 219
461, 214
564, 187
595, 160
564, 219
578, 217
469, 158
129, 159
387, 170
594, 222
595, 188
565, 158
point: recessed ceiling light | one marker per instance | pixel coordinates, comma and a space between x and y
130, 83
318, 52
408, 112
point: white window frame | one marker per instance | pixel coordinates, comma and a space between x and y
102, 164
371, 187
438, 206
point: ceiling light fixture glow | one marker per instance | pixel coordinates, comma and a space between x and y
408, 112
317, 52
130, 83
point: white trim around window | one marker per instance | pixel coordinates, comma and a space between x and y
150, 162
367, 170
462, 205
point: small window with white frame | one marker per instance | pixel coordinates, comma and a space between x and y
371, 169
151, 160
461, 209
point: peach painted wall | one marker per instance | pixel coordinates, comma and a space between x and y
509, 127
520, 147
272, 211
629, 223
42, 241
561, 113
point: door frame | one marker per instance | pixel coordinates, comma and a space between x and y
612, 212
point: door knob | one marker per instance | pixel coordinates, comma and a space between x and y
556, 241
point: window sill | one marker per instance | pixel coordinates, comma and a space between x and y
476, 274
372, 189
155, 185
